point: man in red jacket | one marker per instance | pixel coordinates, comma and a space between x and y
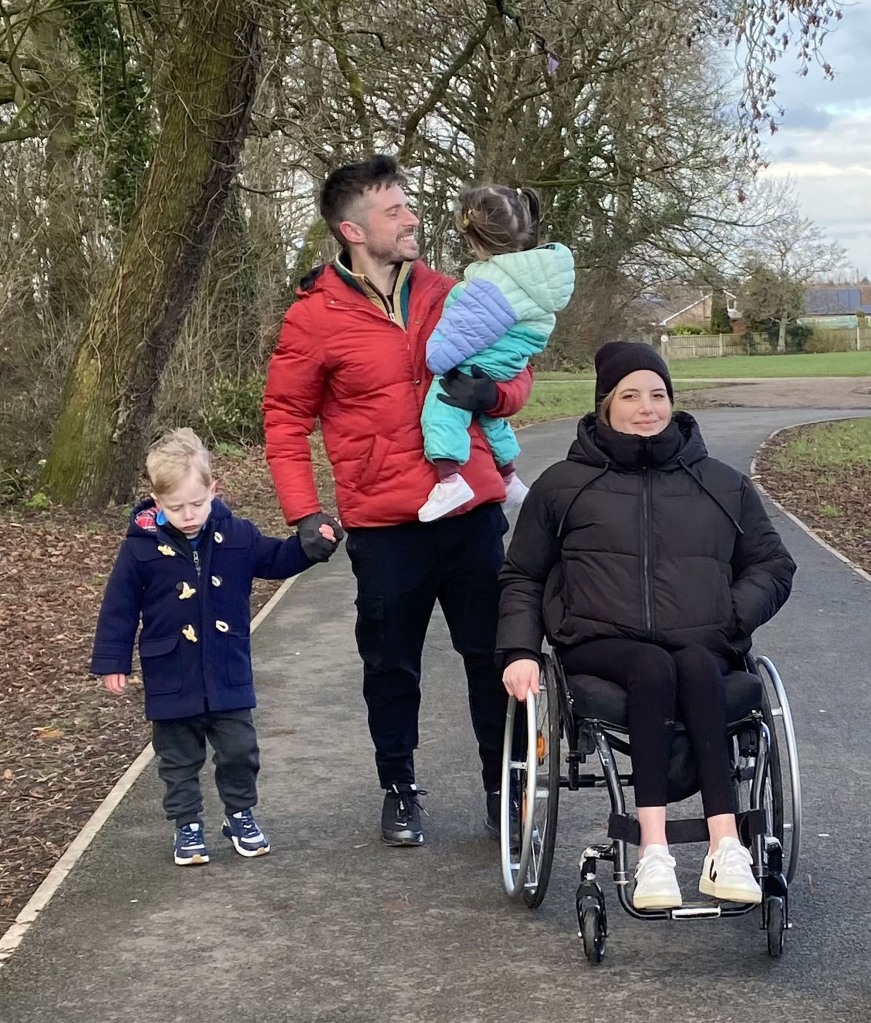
352, 354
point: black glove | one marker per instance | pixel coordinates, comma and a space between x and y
315, 546
475, 393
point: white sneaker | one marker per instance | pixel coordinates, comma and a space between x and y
727, 874
656, 884
446, 497
515, 491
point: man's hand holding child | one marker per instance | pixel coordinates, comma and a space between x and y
319, 535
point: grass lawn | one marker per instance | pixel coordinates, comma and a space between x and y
570, 397
824, 446
822, 473
829, 364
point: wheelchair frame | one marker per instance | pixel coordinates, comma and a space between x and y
530, 805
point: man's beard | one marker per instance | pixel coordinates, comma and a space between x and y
394, 255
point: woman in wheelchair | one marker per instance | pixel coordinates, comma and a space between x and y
648, 564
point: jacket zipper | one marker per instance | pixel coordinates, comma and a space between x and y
388, 305
646, 548
413, 377
196, 557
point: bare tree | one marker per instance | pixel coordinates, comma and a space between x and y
609, 107
783, 258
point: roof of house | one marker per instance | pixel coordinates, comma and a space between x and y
836, 300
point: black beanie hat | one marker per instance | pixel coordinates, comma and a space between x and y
617, 359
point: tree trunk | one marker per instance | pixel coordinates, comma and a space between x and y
781, 333
108, 402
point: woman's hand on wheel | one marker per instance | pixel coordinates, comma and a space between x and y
521, 677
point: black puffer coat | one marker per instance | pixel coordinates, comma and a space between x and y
643, 538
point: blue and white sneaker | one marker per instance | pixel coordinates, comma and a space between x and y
190, 846
247, 838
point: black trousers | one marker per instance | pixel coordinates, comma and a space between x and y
401, 572
661, 684
180, 745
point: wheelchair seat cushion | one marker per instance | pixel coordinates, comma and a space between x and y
596, 699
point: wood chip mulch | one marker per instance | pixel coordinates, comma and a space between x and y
833, 503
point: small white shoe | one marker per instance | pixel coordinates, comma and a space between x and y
446, 496
515, 492
727, 874
656, 884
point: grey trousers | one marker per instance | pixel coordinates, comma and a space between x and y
180, 745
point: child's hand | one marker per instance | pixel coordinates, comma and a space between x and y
115, 683
317, 543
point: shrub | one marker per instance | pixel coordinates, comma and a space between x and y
758, 343
831, 341
230, 412
798, 335
683, 329
39, 501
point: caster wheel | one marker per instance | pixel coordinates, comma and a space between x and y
593, 932
776, 923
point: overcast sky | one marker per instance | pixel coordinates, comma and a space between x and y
824, 140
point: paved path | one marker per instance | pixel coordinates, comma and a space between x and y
334, 928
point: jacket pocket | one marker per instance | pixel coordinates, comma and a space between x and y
234, 658
161, 665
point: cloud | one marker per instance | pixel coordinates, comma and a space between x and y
823, 144
799, 115
785, 169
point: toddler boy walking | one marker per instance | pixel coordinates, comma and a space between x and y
185, 569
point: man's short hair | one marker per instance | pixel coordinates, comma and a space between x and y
346, 185
172, 458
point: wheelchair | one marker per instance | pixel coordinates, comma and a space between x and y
589, 714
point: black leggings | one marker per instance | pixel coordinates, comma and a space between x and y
658, 684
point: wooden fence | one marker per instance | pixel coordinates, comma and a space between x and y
712, 346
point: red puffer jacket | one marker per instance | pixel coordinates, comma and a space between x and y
341, 359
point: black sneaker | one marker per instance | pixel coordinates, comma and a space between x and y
400, 815
492, 820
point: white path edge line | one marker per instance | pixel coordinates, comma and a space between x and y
13, 937
793, 518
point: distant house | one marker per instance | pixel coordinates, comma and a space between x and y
686, 307
835, 305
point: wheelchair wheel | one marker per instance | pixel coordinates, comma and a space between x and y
784, 774
774, 909
593, 933
529, 796
547, 754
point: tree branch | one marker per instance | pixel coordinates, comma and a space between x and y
440, 87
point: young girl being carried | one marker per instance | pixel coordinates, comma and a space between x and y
503, 312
